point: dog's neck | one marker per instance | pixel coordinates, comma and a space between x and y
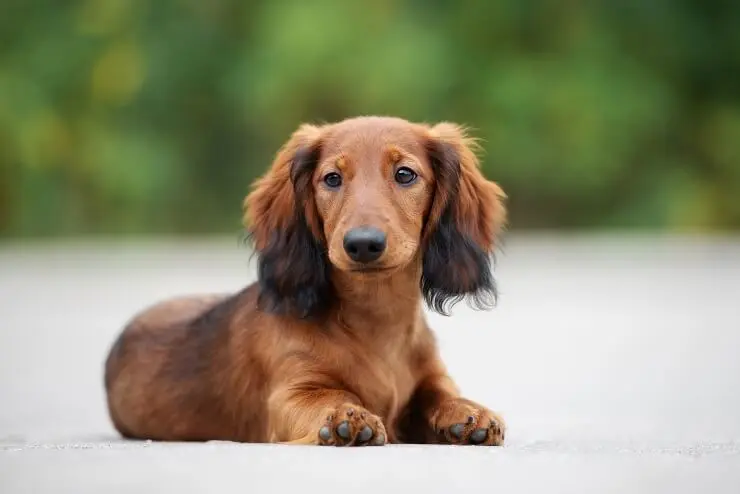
370, 303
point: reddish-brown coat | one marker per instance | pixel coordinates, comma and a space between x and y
319, 341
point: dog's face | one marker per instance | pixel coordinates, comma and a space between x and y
369, 196
373, 186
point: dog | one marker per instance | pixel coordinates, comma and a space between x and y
357, 225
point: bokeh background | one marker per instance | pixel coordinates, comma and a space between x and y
130, 117
130, 131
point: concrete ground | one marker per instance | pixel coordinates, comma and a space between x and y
615, 360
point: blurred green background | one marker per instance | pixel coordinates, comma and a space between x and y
135, 117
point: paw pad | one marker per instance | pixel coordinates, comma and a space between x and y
325, 433
352, 426
461, 421
457, 430
478, 436
365, 434
343, 430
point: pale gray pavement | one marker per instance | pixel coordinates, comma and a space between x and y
615, 360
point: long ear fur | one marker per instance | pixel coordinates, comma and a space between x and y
465, 219
281, 218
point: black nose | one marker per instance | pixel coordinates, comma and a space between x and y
364, 244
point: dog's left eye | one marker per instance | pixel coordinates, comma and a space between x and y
405, 176
333, 180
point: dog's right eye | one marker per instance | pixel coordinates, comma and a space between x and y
333, 180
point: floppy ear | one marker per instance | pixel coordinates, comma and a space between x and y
282, 221
466, 216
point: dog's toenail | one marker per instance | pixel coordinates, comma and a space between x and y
471, 419
365, 434
363, 415
343, 430
457, 430
350, 412
325, 433
380, 439
478, 436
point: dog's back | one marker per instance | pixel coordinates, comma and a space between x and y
163, 340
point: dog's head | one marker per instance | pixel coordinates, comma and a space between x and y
369, 196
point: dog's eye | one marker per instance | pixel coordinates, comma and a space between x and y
405, 176
333, 180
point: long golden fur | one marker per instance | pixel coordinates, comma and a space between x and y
356, 225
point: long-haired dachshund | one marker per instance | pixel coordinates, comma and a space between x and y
356, 225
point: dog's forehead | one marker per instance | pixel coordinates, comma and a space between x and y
371, 136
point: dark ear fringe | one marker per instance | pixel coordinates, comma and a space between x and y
294, 268
294, 273
454, 268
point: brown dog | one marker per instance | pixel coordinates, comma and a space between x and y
355, 224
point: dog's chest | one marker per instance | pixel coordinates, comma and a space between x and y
384, 384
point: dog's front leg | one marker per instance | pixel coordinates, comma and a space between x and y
451, 419
308, 414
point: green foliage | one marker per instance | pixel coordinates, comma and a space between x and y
133, 116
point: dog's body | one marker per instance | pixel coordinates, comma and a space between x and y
198, 369
355, 224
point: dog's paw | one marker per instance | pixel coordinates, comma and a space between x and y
352, 425
461, 421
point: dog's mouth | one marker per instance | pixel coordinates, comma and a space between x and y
372, 269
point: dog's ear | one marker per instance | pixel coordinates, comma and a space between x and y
284, 225
461, 230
